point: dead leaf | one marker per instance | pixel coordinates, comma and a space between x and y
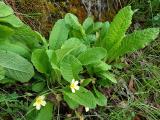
131, 86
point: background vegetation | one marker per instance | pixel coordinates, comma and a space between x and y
137, 94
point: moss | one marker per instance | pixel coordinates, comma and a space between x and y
42, 14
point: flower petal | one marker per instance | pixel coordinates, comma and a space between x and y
76, 82
77, 87
86, 109
38, 107
43, 103
73, 90
42, 97
34, 104
73, 80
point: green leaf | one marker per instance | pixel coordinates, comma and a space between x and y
134, 41
101, 100
88, 24
5, 32
72, 104
18, 48
58, 34
61, 53
12, 20
16, 67
2, 73
101, 67
104, 82
55, 71
73, 22
118, 27
92, 55
46, 113
5, 10
86, 82
89, 39
97, 26
50, 54
75, 33
70, 43
70, 68
41, 61
7, 81
42, 40
53, 59
75, 44
27, 36
70, 48
109, 76
82, 97
103, 32
38, 87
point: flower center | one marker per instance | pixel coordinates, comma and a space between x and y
38, 101
72, 86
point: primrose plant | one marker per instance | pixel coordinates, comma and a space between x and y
79, 58
73, 64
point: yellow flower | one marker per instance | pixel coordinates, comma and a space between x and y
86, 109
39, 102
74, 86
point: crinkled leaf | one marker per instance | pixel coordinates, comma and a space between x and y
54, 62
134, 41
70, 48
109, 76
50, 54
70, 43
101, 66
88, 24
103, 32
16, 67
5, 10
58, 34
118, 27
7, 81
92, 55
89, 39
97, 26
81, 96
27, 36
12, 20
41, 39
38, 87
55, 71
41, 61
76, 44
53, 59
61, 53
70, 68
16, 48
101, 100
72, 104
85, 82
73, 22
